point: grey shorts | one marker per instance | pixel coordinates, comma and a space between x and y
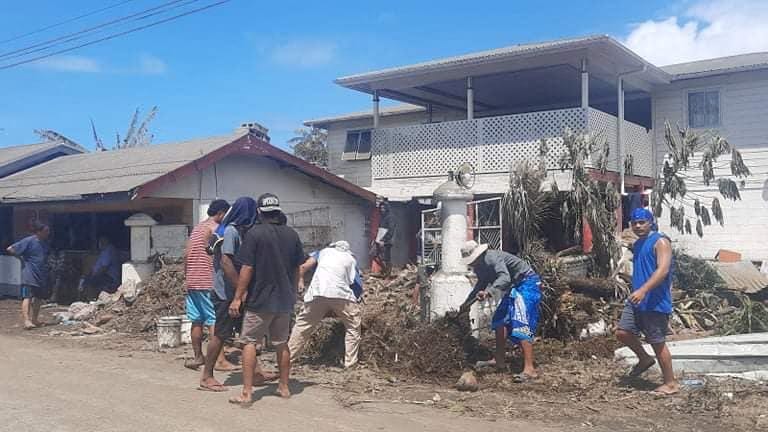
256, 325
653, 325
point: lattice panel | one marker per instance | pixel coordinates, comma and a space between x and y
514, 138
639, 143
490, 144
424, 150
603, 125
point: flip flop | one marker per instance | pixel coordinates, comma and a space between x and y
523, 378
638, 370
663, 394
212, 388
238, 400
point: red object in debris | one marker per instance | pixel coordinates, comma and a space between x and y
586, 237
724, 255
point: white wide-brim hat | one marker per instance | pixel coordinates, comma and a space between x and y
471, 251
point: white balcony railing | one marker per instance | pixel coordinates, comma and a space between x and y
493, 144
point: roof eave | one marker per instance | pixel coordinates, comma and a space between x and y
705, 74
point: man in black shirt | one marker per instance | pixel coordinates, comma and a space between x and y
270, 254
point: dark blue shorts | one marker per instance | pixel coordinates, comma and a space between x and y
32, 291
653, 325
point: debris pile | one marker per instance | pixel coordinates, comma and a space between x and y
393, 336
161, 295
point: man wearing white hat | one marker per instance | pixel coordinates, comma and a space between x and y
336, 287
510, 278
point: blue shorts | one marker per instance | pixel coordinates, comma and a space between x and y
32, 291
200, 307
518, 311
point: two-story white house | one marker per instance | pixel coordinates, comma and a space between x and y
493, 108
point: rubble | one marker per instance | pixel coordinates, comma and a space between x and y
467, 382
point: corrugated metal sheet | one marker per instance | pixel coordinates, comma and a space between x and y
720, 65
491, 55
742, 276
14, 153
73, 176
358, 115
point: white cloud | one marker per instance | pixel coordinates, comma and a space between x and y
151, 65
706, 29
69, 63
304, 53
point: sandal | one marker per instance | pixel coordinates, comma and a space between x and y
238, 400
523, 377
217, 388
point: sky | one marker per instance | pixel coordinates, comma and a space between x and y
274, 62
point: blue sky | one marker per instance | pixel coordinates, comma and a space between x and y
274, 62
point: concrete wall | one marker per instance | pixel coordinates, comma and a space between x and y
237, 176
744, 123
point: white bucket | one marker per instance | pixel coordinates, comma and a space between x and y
169, 331
186, 330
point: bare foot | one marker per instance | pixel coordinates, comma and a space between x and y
226, 366
667, 389
531, 373
194, 364
283, 391
261, 378
28, 325
210, 384
242, 400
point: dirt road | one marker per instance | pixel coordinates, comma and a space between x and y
46, 387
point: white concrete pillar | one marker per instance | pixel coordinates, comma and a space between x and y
375, 109
449, 287
470, 100
140, 224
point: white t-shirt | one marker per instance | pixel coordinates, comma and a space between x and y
334, 274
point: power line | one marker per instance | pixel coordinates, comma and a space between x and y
115, 35
67, 21
71, 37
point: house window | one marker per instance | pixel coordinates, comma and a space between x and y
704, 109
358, 146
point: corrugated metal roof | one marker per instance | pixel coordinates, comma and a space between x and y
14, 153
741, 276
112, 171
717, 66
491, 55
360, 115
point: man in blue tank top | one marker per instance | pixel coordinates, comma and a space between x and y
648, 308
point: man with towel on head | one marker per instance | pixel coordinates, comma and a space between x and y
648, 308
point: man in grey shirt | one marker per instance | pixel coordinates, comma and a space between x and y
511, 279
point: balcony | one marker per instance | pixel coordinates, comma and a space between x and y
493, 144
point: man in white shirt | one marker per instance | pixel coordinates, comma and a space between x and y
335, 287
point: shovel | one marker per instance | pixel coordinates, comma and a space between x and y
464, 308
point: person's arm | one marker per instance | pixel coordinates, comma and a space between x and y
228, 267
663, 251
303, 269
479, 286
10, 251
17, 249
246, 273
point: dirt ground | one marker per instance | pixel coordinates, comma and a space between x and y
580, 387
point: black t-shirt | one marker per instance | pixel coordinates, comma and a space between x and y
275, 253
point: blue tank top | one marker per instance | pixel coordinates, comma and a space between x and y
644, 264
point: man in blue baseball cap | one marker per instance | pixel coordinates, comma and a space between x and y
649, 306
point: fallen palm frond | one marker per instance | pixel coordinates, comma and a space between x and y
751, 317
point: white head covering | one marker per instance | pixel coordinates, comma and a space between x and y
471, 251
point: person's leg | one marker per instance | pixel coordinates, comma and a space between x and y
249, 361
627, 334
311, 315
670, 385
528, 369
279, 329
197, 346
26, 307
351, 316
35, 311
501, 347
222, 330
222, 364
252, 333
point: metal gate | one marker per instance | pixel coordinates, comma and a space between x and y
484, 219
